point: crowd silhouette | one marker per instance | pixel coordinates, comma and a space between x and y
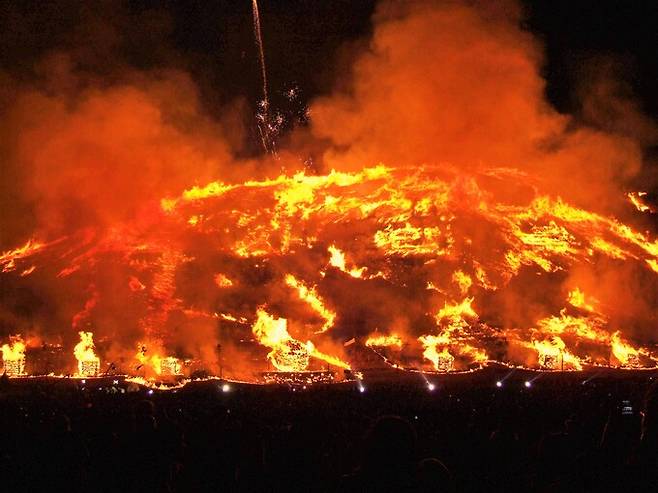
560, 436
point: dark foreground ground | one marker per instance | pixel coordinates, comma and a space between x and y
566, 432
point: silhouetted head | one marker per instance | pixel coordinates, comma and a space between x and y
390, 445
434, 476
144, 416
650, 415
144, 408
61, 423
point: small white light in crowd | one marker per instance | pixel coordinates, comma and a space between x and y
84, 381
115, 382
362, 389
431, 386
528, 384
150, 392
499, 383
226, 387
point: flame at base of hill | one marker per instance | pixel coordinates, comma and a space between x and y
88, 362
288, 354
13, 357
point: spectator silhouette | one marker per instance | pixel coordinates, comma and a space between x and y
388, 458
434, 477
645, 462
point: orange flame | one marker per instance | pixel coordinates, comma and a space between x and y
626, 354
553, 355
88, 362
161, 365
384, 341
310, 296
8, 259
13, 356
636, 199
287, 354
337, 260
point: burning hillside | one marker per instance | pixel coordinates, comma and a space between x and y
429, 257
444, 228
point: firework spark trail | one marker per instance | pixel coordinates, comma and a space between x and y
263, 114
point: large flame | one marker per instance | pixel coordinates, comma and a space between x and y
552, 355
338, 260
88, 362
13, 356
287, 354
155, 362
384, 341
310, 296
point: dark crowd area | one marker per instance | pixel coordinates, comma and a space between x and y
557, 433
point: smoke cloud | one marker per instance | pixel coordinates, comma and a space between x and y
459, 83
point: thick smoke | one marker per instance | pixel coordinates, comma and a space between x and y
107, 154
85, 160
460, 83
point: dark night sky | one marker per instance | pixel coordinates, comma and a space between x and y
213, 40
